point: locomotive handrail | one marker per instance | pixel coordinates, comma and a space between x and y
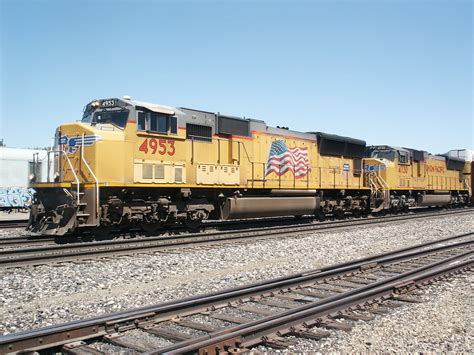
72, 170
468, 186
246, 153
314, 175
95, 178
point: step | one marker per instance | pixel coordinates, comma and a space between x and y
79, 215
84, 225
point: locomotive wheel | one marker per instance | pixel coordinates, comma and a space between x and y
102, 233
320, 215
339, 214
150, 227
356, 213
193, 222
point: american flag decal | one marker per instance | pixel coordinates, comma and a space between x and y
282, 159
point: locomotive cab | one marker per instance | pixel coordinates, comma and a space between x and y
120, 150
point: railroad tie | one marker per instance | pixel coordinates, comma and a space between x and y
279, 343
370, 276
353, 316
330, 288
80, 348
295, 298
169, 334
229, 318
196, 325
338, 325
275, 303
314, 334
125, 342
396, 269
392, 303
358, 280
315, 294
406, 298
256, 310
378, 310
344, 283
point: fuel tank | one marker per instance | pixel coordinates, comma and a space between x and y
433, 200
254, 207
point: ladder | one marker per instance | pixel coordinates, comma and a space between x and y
86, 199
379, 191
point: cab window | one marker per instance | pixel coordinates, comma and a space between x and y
156, 122
141, 126
384, 154
403, 158
174, 125
115, 117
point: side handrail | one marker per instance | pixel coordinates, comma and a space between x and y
94, 176
466, 182
72, 170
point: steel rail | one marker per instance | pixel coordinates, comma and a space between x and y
44, 254
237, 225
252, 333
13, 223
21, 241
58, 335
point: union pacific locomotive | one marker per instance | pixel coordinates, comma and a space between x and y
131, 164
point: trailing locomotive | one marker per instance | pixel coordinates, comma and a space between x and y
402, 178
136, 164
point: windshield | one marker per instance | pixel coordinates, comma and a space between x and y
118, 118
384, 154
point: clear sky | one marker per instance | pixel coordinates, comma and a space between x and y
389, 72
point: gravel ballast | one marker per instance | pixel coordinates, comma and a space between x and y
442, 323
39, 296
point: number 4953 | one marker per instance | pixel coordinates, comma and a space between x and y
162, 146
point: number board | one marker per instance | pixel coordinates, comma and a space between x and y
160, 146
108, 103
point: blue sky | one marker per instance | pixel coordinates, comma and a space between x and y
389, 72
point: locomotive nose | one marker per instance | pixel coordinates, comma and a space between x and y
71, 137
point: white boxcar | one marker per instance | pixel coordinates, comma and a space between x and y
16, 166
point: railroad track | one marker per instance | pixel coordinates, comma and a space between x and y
303, 305
72, 252
13, 223
31, 240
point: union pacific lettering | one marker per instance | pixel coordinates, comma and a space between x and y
403, 169
435, 169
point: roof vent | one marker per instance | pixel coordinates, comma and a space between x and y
126, 97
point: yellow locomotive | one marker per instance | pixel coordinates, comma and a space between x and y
401, 178
131, 164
